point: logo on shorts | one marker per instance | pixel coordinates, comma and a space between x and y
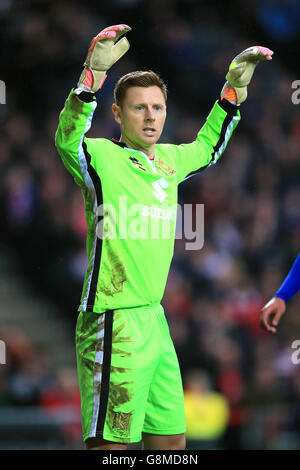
121, 421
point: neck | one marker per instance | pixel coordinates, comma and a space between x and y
148, 150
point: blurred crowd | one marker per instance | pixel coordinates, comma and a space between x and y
251, 197
28, 380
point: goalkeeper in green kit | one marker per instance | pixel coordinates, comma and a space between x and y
129, 378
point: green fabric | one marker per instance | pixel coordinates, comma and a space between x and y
144, 386
129, 266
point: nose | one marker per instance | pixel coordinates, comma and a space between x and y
149, 117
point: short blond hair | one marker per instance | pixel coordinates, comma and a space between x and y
139, 78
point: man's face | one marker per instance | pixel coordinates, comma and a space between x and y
141, 116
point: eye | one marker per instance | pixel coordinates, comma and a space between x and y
157, 107
139, 107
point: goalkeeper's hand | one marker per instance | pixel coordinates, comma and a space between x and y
103, 52
240, 73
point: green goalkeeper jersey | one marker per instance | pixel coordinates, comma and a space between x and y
131, 202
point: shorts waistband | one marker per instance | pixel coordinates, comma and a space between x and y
142, 308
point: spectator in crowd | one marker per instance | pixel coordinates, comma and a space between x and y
206, 412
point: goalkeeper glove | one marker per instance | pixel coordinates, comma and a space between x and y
240, 73
102, 54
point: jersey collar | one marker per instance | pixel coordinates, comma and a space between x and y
118, 142
124, 146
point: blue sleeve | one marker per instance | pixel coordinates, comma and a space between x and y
291, 284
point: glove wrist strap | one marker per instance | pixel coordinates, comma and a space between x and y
228, 93
90, 81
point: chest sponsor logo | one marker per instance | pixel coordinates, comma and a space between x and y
159, 212
159, 187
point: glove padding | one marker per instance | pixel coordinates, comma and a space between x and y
241, 70
103, 52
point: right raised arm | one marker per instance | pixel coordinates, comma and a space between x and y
76, 117
74, 122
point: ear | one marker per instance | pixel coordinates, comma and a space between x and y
116, 111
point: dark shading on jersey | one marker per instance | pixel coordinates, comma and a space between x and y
76, 107
117, 274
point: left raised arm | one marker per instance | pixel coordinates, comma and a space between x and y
213, 137
211, 140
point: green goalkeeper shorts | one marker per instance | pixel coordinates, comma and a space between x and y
129, 375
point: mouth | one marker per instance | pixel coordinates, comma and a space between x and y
149, 130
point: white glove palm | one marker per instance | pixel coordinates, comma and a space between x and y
241, 70
102, 54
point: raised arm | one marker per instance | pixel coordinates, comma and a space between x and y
74, 122
76, 116
213, 137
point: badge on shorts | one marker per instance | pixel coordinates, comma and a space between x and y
121, 421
